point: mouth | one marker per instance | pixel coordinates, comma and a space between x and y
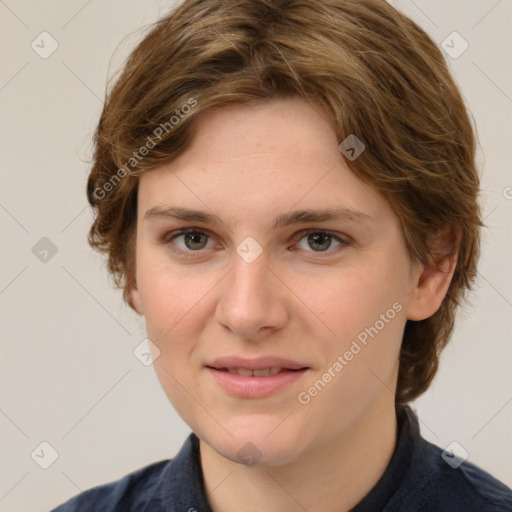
255, 378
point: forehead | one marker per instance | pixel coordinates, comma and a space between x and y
281, 129
260, 160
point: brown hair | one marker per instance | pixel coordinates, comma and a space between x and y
374, 73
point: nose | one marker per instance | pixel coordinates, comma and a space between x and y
252, 302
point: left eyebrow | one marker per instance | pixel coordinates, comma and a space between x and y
311, 216
286, 219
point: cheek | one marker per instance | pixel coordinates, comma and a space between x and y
174, 314
366, 313
351, 301
360, 359
171, 297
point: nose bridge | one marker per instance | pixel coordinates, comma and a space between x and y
249, 299
248, 283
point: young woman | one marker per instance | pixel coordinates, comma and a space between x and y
287, 192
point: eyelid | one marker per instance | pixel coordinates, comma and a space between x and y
345, 239
168, 236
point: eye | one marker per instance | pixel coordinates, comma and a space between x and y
320, 241
192, 240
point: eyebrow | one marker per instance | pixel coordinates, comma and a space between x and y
286, 219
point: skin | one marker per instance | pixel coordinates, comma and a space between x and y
247, 165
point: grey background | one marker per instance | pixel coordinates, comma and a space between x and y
69, 375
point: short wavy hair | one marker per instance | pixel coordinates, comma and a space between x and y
372, 71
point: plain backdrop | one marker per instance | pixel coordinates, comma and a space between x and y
69, 377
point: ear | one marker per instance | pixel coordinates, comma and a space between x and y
135, 298
432, 281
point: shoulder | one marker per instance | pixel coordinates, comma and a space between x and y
453, 486
130, 493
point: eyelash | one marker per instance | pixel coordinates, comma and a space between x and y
169, 238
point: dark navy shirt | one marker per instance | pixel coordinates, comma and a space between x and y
417, 478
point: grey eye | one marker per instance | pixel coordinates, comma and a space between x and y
318, 241
193, 241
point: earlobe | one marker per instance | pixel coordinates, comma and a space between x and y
432, 283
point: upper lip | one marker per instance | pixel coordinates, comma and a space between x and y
258, 363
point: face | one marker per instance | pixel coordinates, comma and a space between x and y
324, 297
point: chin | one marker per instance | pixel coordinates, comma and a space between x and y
256, 443
252, 453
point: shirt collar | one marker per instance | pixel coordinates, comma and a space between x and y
182, 485
407, 434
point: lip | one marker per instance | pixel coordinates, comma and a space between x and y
251, 386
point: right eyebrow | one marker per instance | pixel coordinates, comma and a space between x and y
179, 213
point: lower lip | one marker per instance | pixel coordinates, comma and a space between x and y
255, 387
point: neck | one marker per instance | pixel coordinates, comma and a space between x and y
333, 479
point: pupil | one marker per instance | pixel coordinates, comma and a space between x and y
316, 239
193, 238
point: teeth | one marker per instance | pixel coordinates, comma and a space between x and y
266, 371
240, 371
257, 373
